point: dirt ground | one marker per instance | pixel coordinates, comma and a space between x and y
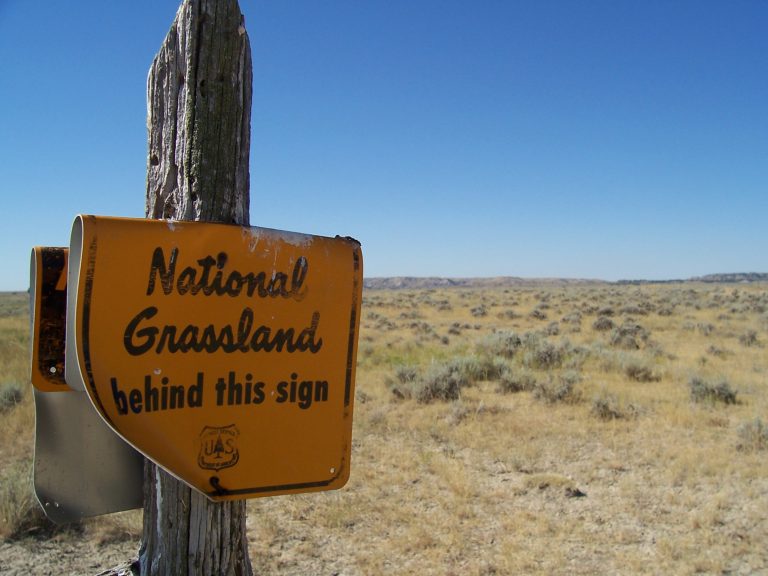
61, 556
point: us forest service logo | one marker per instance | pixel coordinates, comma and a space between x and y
218, 447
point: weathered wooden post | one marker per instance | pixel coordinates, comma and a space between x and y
199, 122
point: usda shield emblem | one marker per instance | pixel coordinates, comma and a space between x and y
218, 447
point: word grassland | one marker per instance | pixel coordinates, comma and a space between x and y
210, 278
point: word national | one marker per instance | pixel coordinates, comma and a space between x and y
208, 277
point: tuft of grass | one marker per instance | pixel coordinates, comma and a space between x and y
504, 343
560, 389
479, 311
629, 336
607, 407
640, 371
717, 351
541, 354
749, 339
20, 513
474, 368
11, 394
753, 436
484, 367
705, 328
603, 324
405, 377
538, 313
441, 380
115, 528
514, 380
703, 391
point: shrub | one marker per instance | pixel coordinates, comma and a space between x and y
628, 336
708, 391
511, 381
477, 368
753, 436
666, 311
384, 324
552, 329
441, 382
406, 374
491, 368
749, 338
639, 371
718, 352
573, 356
588, 308
403, 384
634, 310
11, 393
603, 324
423, 328
606, 407
560, 389
572, 318
503, 343
479, 311
538, 314
508, 315
705, 328
540, 354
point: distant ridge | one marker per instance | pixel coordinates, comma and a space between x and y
737, 277
729, 278
425, 282
418, 283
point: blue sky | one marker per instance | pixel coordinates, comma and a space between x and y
596, 139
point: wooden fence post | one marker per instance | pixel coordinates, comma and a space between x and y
199, 122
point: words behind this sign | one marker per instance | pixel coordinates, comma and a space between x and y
225, 354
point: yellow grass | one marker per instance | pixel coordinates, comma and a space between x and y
497, 483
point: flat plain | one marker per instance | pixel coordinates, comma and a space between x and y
549, 428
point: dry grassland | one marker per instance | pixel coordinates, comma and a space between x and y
597, 429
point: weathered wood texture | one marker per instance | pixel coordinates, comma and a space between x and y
199, 107
199, 118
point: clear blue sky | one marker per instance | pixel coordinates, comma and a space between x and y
607, 139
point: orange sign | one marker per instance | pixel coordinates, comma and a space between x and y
48, 296
225, 354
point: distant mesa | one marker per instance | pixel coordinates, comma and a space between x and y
739, 277
729, 278
426, 282
420, 283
